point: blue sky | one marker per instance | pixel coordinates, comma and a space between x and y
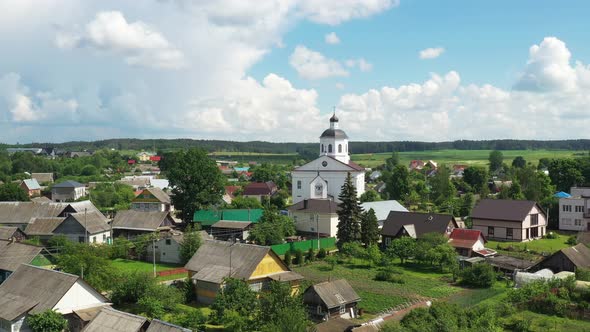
230, 69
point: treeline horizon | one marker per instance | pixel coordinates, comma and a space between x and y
306, 148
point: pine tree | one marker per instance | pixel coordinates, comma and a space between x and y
349, 214
369, 228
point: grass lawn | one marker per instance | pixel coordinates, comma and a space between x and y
420, 282
468, 157
540, 246
547, 323
477, 296
127, 265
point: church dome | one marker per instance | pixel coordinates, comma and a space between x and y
334, 118
334, 133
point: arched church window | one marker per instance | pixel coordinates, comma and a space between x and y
322, 148
339, 148
329, 148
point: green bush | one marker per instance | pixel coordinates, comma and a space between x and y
310, 256
551, 235
390, 275
479, 275
288, 259
321, 253
47, 321
298, 257
572, 240
583, 274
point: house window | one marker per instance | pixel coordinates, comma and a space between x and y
322, 148
104, 237
329, 148
534, 219
579, 208
298, 184
94, 239
342, 309
490, 231
566, 208
509, 233
578, 222
339, 148
535, 232
319, 310
168, 242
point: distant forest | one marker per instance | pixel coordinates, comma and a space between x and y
307, 148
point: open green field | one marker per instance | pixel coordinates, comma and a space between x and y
540, 246
127, 265
467, 157
420, 283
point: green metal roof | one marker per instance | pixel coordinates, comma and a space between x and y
209, 217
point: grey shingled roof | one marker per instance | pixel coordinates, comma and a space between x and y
24, 212
7, 232
68, 184
422, 222
157, 193
42, 177
579, 255
12, 255
214, 255
160, 326
94, 222
111, 320
35, 285
231, 224
82, 206
382, 208
503, 209
336, 293
32, 184
43, 226
140, 220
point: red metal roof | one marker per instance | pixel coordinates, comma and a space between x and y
464, 238
260, 188
155, 158
131, 161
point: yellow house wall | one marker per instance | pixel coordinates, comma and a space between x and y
270, 264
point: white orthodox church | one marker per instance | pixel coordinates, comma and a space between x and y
323, 178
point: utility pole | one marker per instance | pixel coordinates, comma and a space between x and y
154, 254
317, 221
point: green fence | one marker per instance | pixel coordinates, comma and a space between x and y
326, 243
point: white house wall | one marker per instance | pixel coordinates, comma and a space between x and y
79, 296
567, 219
306, 222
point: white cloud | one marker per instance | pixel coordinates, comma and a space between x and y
334, 12
332, 38
361, 63
138, 42
313, 65
431, 53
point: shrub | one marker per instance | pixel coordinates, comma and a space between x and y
551, 235
321, 253
298, 257
47, 321
572, 240
332, 260
390, 275
310, 256
288, 258
583, 274
479, 275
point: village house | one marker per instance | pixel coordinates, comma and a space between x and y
324, 177
331, 299
416, 165
43, 227
20, 214
67, 191
206, 218
229, 194
256, 265
111, 320
507, 265
416, 224
260, 190
152, 199
231, 230
89, 227
11, 233
167, 248
315, 217
574, 210
32, 187
510, 220
469, 242
382, 209
567, 259
145, 156
130, 223
43, 178
13, 254
32, 290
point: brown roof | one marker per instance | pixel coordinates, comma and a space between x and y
464, 238
503, 209
509, 263
214, 256
140, 220
579, 255
36, 285
422, 222
158, 193
111, 320
13, 254
42, 177
334, 293
43, 226
335, 325
315, 205
260, 188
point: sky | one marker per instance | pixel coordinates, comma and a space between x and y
275, 70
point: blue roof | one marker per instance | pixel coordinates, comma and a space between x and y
241, 169
562, 194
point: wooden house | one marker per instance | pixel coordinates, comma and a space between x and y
131, 223
567, 259
416, 224
331, 299
217, 260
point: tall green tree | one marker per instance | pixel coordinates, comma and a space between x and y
564, 174
196, 181
281, 311
442, 187
369, 228
403, 248
496, 159
236, 297
398, 184
349, 214
466, 205
13, 192
392, 162
191, 241
272, 228
477, 178
518, 162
